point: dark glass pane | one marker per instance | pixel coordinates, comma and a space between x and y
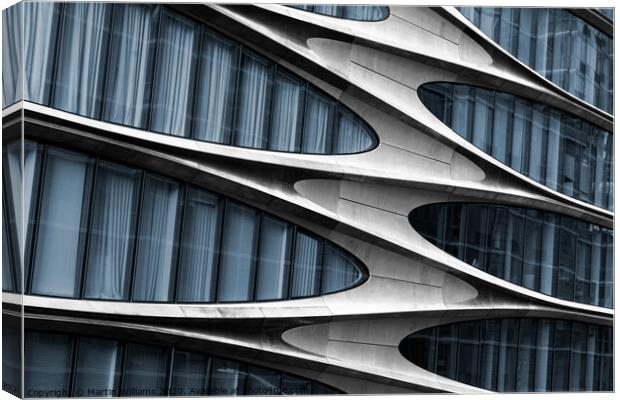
47, 364
507, 355
561, 355
227, 379
544, 251
447, 342
262, 382
469, 349
549, 146
146, 371
190, 373
97, 368
295, 385
11, 356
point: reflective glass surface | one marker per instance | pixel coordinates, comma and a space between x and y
557, 44
109, 231
105, 367
543, 251
356, 13
517, 355
149, 67
552, 147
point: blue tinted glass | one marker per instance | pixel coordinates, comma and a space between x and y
146, 370
97, 368
557, 44
547, 252
549, 146
238, 253
12, 64
516, 355
149, 67
61, 225
47, 364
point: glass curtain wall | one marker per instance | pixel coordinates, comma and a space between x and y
547, 252
517, 355
555, 43
104, 367
149, 67
103, 230
357, 13
550, 146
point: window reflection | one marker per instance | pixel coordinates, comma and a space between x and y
542, 251
517, 355
557, 44
551, 147
105, 367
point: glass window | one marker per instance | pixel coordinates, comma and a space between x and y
12, 64
338, 270
555, 43
262, 382
543, 251
112, 232
47, 364
217, 73
356, 13
190, 373
287, 113
97, 368
238, 253
61, 224
318, 124
20, 170
226, 378
306, 267
130, 64
197, 265
549, 146
12, 356
516, 355
146, 371
157, 240
273, 260
352, 135
41, 28
295, 385
82, 53
152, 68
252, 110
7, 266
174, 75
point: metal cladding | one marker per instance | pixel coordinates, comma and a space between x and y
377, 152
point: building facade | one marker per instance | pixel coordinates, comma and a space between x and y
204, 199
